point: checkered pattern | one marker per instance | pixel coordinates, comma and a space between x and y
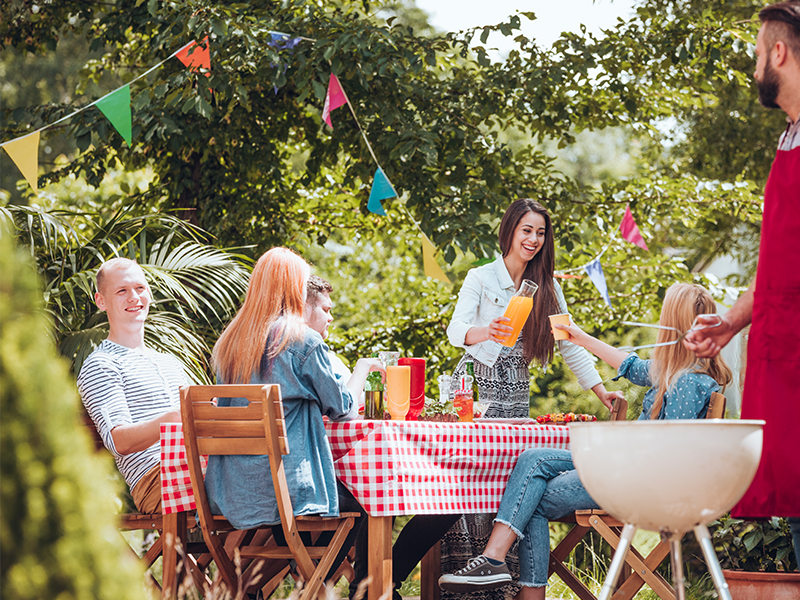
401, 467
408, 467
176, 485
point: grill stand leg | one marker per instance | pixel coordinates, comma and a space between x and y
701, 532
619, 560
677, 566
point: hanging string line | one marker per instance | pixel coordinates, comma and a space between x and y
80, 110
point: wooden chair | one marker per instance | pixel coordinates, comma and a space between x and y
256, 429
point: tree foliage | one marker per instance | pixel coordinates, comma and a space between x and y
242, 152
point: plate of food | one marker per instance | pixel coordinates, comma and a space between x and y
564, 418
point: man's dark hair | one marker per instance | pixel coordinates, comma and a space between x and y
784, 25
315, 287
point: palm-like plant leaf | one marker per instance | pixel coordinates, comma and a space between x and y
196, 287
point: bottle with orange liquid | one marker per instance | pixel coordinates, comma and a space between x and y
518, 310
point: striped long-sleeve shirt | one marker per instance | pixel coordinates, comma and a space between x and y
121, 386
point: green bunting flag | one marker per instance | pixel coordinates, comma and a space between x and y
117, 109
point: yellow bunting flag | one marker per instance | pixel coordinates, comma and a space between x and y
432, 268
24, 152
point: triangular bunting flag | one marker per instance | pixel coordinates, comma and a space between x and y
595, 271
432, 268
333, 99
630, 231
381, 190
195, 56
24, 152
282, 41
117, 109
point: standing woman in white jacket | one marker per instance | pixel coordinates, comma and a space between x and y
502, 373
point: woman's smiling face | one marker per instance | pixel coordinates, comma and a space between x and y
529, 236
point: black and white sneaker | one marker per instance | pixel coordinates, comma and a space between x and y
479, 574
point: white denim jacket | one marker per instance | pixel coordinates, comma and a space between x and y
483, 296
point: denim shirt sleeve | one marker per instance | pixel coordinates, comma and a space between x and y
334, 398
635, 370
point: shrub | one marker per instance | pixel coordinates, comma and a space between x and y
58, 535
754, 545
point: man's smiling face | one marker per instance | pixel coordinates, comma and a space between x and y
125, 295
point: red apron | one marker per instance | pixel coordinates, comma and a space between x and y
772, 381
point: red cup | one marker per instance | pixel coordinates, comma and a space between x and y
417, 400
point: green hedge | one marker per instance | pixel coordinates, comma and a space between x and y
58, 535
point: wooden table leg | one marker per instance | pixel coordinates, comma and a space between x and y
174, 532
380, 557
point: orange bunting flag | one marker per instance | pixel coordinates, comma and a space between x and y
431, 267
24, 152
630, 231
333, 99
195, 56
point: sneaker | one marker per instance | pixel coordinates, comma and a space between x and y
479, 574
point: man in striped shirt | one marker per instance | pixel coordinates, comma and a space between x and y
127, 388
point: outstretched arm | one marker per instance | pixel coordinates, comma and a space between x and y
600, 349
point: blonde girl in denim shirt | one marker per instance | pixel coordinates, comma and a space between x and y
544, 484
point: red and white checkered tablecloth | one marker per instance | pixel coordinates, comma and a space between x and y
417, 467
177, 494
400, 467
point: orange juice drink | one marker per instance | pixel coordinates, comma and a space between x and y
517, 310
463, 405
398, 391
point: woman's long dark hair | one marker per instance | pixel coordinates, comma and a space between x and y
537, 337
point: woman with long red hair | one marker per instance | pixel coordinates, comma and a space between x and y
269, 342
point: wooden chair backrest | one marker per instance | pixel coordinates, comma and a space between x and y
619, 410
716, 406
258, 428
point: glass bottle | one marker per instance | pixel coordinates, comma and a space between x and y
518, 310
373, 395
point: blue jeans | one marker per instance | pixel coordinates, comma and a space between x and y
544, 485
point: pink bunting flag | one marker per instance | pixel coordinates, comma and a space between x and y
333, 100
630, 231
195, 56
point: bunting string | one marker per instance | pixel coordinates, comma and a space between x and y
110, 94
116, 108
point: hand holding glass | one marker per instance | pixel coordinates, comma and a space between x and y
398, 390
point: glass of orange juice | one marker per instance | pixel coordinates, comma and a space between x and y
518, 310
398, 390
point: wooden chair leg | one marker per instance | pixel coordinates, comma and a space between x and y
430, 571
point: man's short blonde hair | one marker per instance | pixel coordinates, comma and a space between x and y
114, 264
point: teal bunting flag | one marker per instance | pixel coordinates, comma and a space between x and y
117, 109
381, 190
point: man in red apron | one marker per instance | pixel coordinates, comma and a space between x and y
772, 303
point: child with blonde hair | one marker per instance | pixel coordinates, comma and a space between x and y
544, 484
